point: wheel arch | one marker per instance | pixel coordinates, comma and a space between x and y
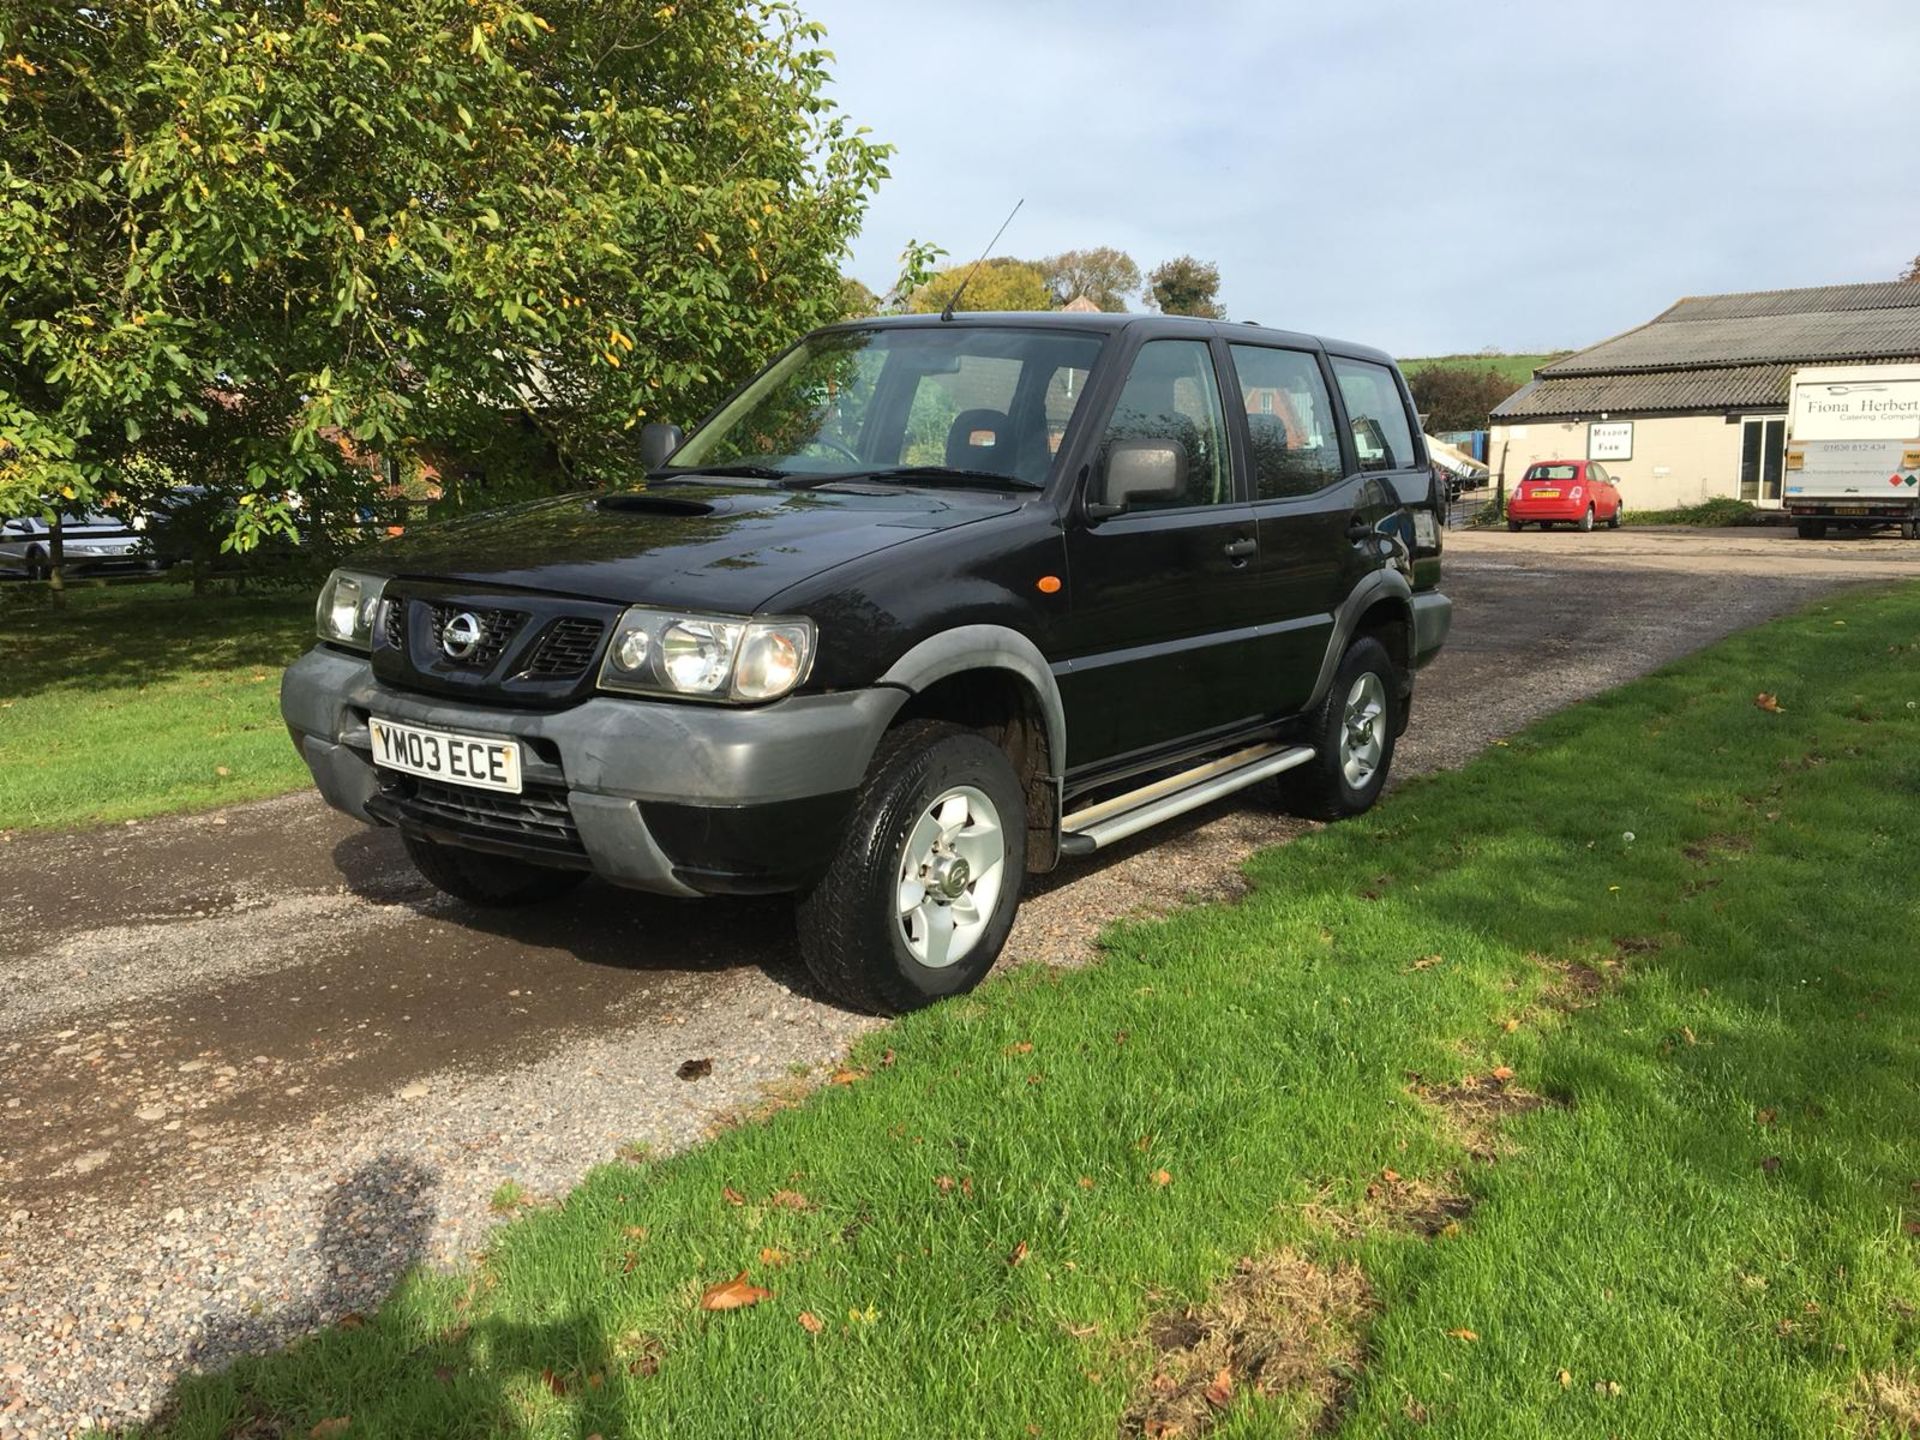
995, 680
1382, 606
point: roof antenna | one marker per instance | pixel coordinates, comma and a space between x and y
947, 312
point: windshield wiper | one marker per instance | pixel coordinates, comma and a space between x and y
743, 471
945, 475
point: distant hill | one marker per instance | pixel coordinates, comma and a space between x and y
1517, 368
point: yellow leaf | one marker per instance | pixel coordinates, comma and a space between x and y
1464, 1334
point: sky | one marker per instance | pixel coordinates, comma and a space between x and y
1430, 178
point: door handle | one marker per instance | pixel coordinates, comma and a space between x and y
1242, 548
1358, 529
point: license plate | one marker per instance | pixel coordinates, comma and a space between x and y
442, 755
1850, 510
1543, 495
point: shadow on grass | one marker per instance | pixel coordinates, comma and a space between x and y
132, 635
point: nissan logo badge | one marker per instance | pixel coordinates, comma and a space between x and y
462, 635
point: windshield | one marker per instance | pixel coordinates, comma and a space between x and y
885, 402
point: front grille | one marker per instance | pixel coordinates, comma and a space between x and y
396, 623
496, 629
567, 648
537, 816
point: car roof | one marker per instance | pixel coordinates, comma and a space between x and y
1107, 322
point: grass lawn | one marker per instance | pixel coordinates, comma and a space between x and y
1576, 1093
1517, 368
139, 699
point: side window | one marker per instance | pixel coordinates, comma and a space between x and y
1381, 433
1598, 473
1171, 394
1290, 425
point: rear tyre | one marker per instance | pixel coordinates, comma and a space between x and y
495, 881
1586, 520
1811, 529
1910, 529
1353, 733
921, 895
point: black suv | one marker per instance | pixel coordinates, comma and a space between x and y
928, 606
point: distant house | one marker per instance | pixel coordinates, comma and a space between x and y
1692, 405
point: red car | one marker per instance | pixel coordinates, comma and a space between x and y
1571, 492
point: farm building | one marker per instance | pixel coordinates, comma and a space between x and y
1692, 405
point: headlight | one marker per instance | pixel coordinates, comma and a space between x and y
706, 657
348, 602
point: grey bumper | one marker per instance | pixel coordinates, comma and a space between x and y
1432, 618
611, 756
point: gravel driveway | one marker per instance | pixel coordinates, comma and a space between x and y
252, 1068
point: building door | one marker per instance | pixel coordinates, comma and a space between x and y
1763, 459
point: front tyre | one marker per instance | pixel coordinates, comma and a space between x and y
1613, 520
921, 895
1353, 733
494, 881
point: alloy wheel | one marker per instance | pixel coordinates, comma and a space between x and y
951, 870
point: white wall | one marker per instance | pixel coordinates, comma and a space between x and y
1677, 459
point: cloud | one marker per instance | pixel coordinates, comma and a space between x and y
1426, 178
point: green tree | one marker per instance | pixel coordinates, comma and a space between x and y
255, 246
1913, 270
857, 300
1104, 275
1458, 397
999, 285
1186, 286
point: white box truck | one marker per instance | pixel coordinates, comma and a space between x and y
1853, 448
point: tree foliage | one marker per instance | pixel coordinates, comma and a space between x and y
1913, 270
1106, 276
1186, 286
857, 300
234, 233
1458, 397
998, 285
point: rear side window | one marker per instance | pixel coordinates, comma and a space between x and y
1290, 424
1381, 432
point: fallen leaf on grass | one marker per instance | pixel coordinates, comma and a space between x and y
1566, 1379
734, 1294
352, 1320
694, 1069
789, 1200
1161, 1177
845, 1076
886, 1060
554, 1382
810, 1322
1768, 702
327, 1429
1464, 1334
1770, 1164
636, 1232
1086, 1182
774, 1257
1608, 1388
732, 1196
1220, 1393
1765, 1117
1019, 1047
1427, 962
1502, 1073
1510, 1025
1018, 1254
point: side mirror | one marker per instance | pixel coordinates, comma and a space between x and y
657, 442
1140, 470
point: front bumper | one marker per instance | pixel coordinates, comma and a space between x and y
676, 798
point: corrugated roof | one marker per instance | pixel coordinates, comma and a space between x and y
1713, 351
1643, 390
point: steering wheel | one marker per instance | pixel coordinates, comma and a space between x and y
824, 443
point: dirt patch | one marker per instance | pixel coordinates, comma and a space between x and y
1396, 1202
1576, 984
1477, 1107
1716, 847
1891, 1404
1281, 1326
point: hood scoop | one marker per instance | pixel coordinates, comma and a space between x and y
641, 503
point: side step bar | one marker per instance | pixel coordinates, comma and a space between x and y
1085, 831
